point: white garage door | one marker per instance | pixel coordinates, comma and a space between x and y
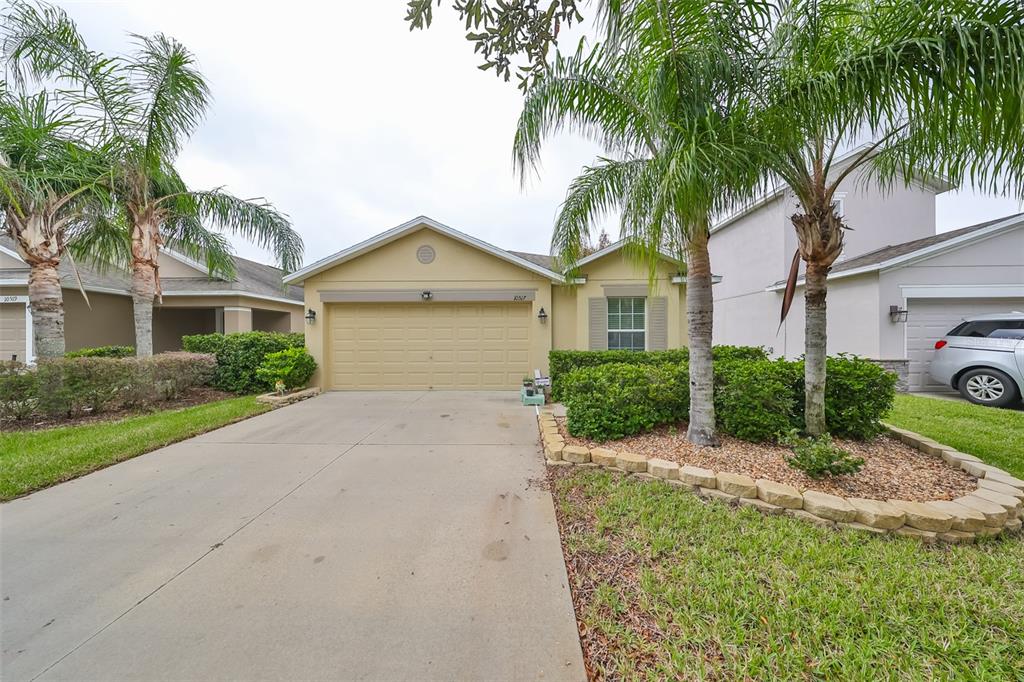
930, 319
428, 345
12, 331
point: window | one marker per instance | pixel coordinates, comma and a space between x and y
627, 323
989, 329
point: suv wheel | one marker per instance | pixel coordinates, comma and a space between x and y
988, 387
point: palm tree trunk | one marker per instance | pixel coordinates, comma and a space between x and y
815, 347
699, 318
145, 283
47, 304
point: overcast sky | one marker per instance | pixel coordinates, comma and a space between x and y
351, 124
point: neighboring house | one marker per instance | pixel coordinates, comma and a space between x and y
425, 306
193, 303
896, 289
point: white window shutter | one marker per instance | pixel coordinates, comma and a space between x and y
598, 323
657, 323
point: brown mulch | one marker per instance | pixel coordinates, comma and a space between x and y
892, 469
196, 396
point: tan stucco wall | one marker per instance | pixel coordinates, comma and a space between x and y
10, 262
456, 266
170, 324
108, 322
295, 310
171, 267
617, 269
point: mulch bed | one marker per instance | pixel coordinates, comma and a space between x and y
892, 469
196, 396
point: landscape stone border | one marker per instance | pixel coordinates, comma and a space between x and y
996, 506
275, 400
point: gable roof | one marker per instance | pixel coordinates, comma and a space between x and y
251, 279
408, 227
895, 255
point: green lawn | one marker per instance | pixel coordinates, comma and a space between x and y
670, 587
30, 460
994, 435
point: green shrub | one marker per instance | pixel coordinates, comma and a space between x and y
292, 366
18, 390
616, 400
858, 394
102, 352
240, 355
819, 457
754, 398
93, 383
730, 353
171, 375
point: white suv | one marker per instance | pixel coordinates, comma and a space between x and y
983, 358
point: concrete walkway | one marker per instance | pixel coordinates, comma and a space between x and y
353, 536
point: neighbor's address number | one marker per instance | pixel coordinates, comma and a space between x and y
11, 299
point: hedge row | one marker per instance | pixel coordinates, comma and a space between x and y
102, 352
67, 386
562, 362
239, 356
755, 400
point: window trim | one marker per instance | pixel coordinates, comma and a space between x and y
609, 331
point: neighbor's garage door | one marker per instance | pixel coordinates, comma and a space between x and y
930, 319
428, 345
12, 331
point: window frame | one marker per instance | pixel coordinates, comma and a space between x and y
632, 330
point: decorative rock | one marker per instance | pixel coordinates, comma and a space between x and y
989, 531
558, 463
779, 494
810, 518
718, 495
862, 528
925, 536
957, 537
554, 451
646, 476
679, 484
631, 462
737, 484
662, 468
995, 514
1011, 504
1013, 525
588, 465
575, 454
829, 507
603, 456
704, 478
923, 517
981, 470
1001, 488
964, 518
760, 505
877, 514
930, 447
1007, 479
953, 457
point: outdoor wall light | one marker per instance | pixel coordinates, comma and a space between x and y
897, 314
310, 316
542, 316
427, 295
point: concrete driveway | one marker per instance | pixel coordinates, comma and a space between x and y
353, 536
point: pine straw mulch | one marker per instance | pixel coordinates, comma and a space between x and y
892, 469
196, 396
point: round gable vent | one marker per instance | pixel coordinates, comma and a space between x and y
425, 254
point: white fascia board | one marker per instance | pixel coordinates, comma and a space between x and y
681, 279
962, 290
13, 282
182, 258
12, 253
612, 248
406, 228
924, 253
232, 292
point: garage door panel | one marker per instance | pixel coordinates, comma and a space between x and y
429, 345
931, 319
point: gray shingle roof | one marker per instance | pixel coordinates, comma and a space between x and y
250, 278
535, 258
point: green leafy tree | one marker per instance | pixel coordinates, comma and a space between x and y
147, 104
50, 188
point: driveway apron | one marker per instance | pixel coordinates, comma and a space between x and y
385, 535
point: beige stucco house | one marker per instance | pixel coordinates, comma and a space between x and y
425, 306
193, 303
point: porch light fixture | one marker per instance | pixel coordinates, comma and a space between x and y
542, 316
897, 314
427, 294
310, 316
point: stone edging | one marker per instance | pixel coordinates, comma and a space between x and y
275, 400
996, 506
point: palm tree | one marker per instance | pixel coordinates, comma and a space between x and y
666, 98
50, 186
148, 105
935, 85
